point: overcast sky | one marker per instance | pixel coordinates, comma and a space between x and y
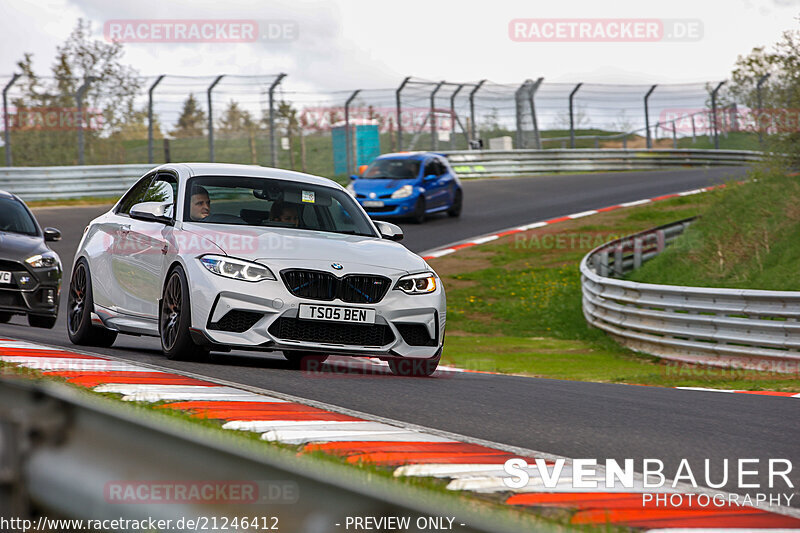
346, 44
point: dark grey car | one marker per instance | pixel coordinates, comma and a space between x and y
30, 272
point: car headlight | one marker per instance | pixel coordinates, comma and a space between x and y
403, 192
351, 190
229, 267
44, 260
417, 283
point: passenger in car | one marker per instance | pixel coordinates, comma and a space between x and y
285, 213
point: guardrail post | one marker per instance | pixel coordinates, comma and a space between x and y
531, 93
647, 116
602, 268
618, 267
434, 133
347, 137
472, 107
400, 113
714, 113
761, 81
79, 98
6, 132
273, 147
454, 117
211, 118
637, 253
572, 116
150, 118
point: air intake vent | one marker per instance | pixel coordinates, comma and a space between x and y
236, 321
328, 332
415, 334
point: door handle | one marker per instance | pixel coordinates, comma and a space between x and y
125, 229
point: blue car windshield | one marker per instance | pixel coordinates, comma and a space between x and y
396, 169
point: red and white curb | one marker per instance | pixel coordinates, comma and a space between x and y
439, 252
469, 465
756, 392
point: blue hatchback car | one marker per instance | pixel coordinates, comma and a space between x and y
409, 185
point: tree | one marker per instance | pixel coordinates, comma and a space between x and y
192, 120
235, 120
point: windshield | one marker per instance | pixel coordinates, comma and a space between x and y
273, 203
398, 169
15, 218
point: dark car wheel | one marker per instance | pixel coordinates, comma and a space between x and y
175, 319
46, 322
417, 368
79, 311
419, 211
305, 360
458, 201
5, 317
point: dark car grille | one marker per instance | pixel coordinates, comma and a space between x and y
11, 299
353, 288
415, 334
236, 321
329, 332
11, 266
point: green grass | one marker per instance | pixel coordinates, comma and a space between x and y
749, 238
514, 306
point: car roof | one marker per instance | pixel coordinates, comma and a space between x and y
409, 155
249, 171
6, 194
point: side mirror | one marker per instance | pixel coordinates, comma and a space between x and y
389, 231
430, 177
52, 235
353, 177
152, 212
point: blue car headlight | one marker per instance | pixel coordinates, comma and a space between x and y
229, 267
403, 192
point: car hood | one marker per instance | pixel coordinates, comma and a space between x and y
379, 186
16, 247
309, 249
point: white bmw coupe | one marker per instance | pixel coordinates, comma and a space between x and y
213, 257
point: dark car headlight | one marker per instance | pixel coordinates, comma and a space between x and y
45, 260
424, 283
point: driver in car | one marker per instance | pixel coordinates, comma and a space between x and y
285, 213
200, 203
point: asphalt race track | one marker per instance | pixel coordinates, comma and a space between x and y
579, 420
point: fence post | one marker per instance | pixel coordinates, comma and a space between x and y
518, 110
347, 139
150, 118
400, 113
674, 136
211, 118
79, 97
434, 140
647, 116
273, 148
714, 114
472, 107
761, 81
694, 131
453, 117
6, 132
572, 116
531, 93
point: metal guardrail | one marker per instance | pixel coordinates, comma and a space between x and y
753, 329
63, 451
43, 183
508, 163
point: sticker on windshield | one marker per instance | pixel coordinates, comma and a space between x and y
308, 197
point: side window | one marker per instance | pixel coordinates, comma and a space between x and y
442, 167
163, 190
135, 195
430, 168
310, 220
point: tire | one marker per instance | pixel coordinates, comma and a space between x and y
38, 321
305, 360
5, 317
458, 202
80, 304
416, 368
175, 319
419, 211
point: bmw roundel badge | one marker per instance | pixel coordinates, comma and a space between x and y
337, 266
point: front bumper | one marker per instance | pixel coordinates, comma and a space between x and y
232, 313
402, 207
32, 292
